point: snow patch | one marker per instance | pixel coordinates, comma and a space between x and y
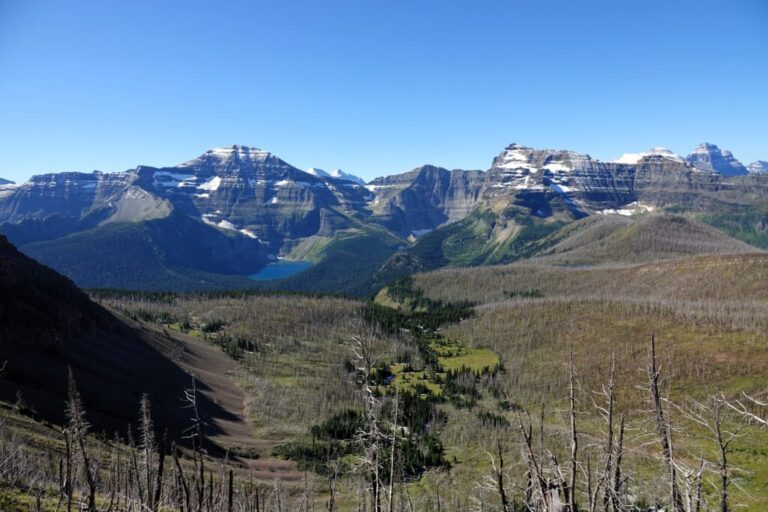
634, 158
556, 167
171, 179
562, 189
212, 184
628, 210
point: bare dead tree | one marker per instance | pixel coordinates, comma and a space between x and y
712, 415
663, 428
147, 447
743, 407
618, 477
195, 433
77, 427
538, 498
506, 506
571, 492
393, 449
606, 411
365, 350
693, 486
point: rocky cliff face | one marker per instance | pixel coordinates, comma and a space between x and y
657, 178
71, 194
708, 157
256, 194
425, 198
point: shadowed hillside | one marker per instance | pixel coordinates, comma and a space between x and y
48, 325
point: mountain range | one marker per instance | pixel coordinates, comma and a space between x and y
209, 222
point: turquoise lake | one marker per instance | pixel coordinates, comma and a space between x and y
280, 270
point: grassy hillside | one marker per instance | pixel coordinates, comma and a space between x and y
708, 312
707, 278
484, 237
649, 237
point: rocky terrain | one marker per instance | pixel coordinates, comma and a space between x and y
241, 207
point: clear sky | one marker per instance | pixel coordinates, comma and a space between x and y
375, 87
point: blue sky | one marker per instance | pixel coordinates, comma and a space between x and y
375, 87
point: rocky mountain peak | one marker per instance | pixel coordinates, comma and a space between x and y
658, 151
709, 157
336, 174
758, 167
3, 181
233, 159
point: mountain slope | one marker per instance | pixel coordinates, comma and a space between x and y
651, 237
346, 264
709, 157
47, 325
425, 198
173, 253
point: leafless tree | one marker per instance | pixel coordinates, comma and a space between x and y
712, 414
663, 428
77, 429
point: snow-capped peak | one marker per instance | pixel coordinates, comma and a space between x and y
633, 158
758, 166
709, 157
314, 171
336, 174
237, 152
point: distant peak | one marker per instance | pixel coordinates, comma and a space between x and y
237, 149
235, 154
336, 174
758, 166
658, 151
709, 157
707, 147
314, 171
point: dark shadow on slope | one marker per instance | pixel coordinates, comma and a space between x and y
48, 325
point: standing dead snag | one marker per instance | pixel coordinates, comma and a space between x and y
618, 477
604, 479
365, 351
506, 506
147, 444
393, 448
538, 496
195, 433
663, 429
77, 428
571, 497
